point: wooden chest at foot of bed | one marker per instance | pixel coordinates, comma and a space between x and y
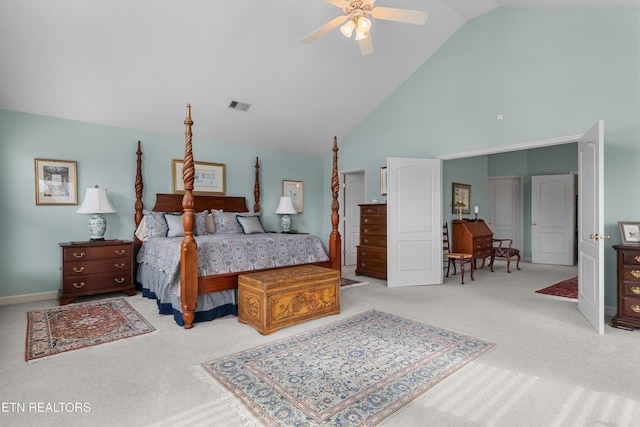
271, 300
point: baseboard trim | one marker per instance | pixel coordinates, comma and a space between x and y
20, 299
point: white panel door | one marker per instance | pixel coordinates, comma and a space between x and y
414, 222
591, 226
552, 219
505, 209
354, 190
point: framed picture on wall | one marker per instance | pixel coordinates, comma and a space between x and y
629, 232
209, 178
460, 198
56, 182
295, 190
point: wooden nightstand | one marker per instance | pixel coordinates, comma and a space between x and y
90, 268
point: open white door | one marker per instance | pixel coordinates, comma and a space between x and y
414, 222
590, 225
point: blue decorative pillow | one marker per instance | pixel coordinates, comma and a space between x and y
156, 224
250, 224
226, 222
174, 225
201, 223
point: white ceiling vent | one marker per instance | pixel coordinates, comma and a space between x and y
237, 105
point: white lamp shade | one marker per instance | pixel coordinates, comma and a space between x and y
285, 207
96, 201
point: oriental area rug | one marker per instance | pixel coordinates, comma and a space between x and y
73, 326
567, 288
354, 372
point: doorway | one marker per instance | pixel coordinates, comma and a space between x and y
353, 194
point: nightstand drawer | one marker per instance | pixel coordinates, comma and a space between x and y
96, 252
97, 282
631, 274
632, 289
96, 266
631, 307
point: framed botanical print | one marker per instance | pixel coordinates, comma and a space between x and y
56, 182
209, 178
295, 190
629, 232
460, 198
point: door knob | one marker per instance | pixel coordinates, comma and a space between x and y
594, 236
534, 223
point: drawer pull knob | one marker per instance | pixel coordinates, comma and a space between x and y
635, 273
78, 285
637, 258
635, 308
120, 280
364, 254
636, 290
365, 240
80, 255
78, 270
120, 252
366, 220
363, 264
366, 230
121, 265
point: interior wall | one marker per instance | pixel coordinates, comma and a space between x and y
548, 71
30, 256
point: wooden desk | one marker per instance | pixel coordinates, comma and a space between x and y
472, 237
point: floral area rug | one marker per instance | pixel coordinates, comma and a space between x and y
354, 372
567, 288
69, 327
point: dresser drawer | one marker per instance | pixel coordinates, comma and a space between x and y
631, 258
89, 266
373, 230
372, 268
373, 210
631, 307
366, 220
632, 289
369, 253
368, 240
96, 282
71, 253
631, 274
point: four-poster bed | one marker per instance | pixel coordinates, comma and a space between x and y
194, 278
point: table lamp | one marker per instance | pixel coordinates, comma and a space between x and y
460, 204
286, 208
96, 203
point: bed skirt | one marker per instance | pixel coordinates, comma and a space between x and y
158, 285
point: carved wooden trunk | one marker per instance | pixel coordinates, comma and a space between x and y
270, 300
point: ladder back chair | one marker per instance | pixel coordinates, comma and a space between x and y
453, 257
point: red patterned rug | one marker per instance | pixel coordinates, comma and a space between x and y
567, 288
70, 327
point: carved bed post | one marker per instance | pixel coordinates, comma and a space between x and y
139, 186
256, 188
188, 248
335, 245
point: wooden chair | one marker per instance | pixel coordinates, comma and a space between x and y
502, 249
454, 258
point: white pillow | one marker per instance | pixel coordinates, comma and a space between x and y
141, 231
250, 224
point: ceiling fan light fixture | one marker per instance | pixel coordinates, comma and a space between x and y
360, 35
364, 24
347, 29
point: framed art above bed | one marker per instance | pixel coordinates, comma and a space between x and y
209, 178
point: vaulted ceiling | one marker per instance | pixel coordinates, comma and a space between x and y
137, 63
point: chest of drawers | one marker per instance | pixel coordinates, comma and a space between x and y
628, 284
372, 250
96, 267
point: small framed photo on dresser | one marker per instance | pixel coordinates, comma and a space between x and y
56, 182
629, 232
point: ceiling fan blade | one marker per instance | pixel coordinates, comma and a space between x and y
366, 45
337, 3
325, 28
400, 15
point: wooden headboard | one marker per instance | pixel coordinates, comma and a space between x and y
173, 203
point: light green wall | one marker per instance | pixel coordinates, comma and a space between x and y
30, 256
552, 72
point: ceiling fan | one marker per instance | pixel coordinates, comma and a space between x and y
355, 20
